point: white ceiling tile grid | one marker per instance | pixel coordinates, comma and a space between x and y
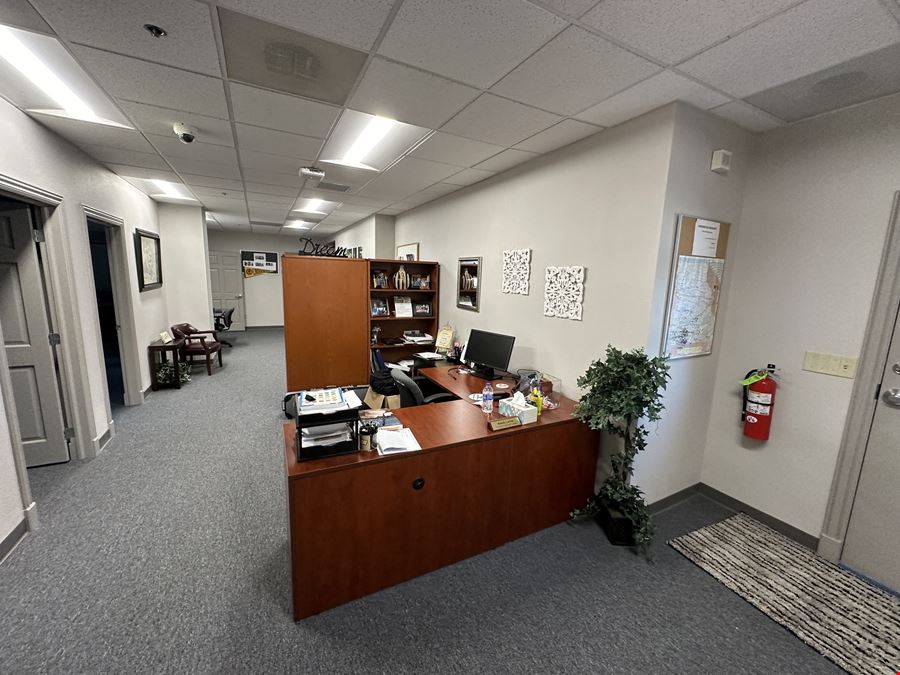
652, 93
572, 71
281, 111
496, 120
506, 160
564, 133
275, 142
473, 41
571, 8
468, 177
456, 150
21, 14
747, 116
159, 121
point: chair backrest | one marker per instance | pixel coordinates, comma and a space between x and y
226, 318
180, 330
405, 382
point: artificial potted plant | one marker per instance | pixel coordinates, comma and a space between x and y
622, 392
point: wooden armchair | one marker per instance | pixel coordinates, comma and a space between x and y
198, 343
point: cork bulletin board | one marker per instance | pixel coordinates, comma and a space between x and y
697, 273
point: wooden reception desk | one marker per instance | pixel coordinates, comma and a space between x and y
360, 523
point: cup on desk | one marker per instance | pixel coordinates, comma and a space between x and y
367, 438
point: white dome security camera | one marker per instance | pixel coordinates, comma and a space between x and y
185, 133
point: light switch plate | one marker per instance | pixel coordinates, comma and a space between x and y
830, 364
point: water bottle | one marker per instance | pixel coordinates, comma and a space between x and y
487, 398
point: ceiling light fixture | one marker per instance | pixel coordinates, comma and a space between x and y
299, 225
371, 135
167, 188
26, 62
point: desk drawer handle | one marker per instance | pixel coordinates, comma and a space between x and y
418, 484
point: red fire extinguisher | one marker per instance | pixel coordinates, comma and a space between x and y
759, 401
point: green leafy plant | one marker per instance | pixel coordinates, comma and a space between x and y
623, 391
165, 373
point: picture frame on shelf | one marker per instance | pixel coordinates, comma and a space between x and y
380, 279
148, 260
420, 282
408, 251
380, 307
403, 306
422, 308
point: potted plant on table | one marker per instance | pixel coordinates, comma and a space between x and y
622, 391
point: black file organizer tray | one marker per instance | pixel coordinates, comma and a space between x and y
351, 417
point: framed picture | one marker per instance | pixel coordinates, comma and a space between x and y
422, 308
420, 282
148, 260
380, 307
408, 251
380, 279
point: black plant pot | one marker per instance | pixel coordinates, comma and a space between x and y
618, 527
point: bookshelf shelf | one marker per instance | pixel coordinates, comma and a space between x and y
393, 326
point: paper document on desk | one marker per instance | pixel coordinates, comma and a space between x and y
430, 356
327, 434
391, 442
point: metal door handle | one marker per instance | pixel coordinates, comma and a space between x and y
239, 296
896, 368
892, 397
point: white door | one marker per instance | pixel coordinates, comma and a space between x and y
26, 335
227, 281
872, 544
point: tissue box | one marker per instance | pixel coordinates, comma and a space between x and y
526, 412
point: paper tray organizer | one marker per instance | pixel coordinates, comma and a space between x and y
351, 417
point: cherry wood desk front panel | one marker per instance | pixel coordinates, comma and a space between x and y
361, 523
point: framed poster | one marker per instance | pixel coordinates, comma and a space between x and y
148, 260
408, 251
697, 272
255, 263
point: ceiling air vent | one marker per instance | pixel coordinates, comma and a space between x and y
334, 187
288, 59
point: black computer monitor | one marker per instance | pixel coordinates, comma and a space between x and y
489, 351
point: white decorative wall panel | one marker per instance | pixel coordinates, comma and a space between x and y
564, 292
516, 271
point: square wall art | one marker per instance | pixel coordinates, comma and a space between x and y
563, 292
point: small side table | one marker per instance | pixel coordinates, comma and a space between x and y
158, 351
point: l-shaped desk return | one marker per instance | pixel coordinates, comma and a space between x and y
362, 522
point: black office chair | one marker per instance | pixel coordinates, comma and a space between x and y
410, 392
223, 323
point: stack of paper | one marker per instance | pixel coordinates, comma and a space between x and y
348, 401
390, 442
324, 435
424, 339
430, 356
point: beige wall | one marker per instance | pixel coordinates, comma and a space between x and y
815, 214
375, 234
185, 269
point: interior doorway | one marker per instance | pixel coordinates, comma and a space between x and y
107, 313
226, 278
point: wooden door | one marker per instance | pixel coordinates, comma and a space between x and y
32, 364
326, 321
227, 284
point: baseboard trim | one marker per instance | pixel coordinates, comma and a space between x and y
11, 540
672, 500
104, 438
789, 531
280, 325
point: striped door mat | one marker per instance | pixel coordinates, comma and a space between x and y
846, 619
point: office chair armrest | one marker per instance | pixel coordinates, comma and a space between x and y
443, 396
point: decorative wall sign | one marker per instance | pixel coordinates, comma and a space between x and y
255, 263
516, 271
564, 292
148, 259
329, 250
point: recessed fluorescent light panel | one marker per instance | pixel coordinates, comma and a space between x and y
164, 191
370, 142
314, 207
41, 77
300, 225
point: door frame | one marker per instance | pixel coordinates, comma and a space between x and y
117, 246
243, 297
864, 399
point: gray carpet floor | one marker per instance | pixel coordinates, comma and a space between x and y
168, 553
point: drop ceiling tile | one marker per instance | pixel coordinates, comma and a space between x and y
506, 160
171, 148
217, 193
649, 95
456, 150
495, 120
673, 31
223, 204
861, 79
264, 177
281, 111
432, 192
392, 210
564, 133
143, 174
274, 190
232, 221
273, 163
267, 55
135, 80
746, 116
268, 212
21, 14
272, 200
407, 176
468, 177
85, 133
473, 42
409, 95
213, 182
344, 175
117, 26
572, 71
350, 22
276, 142
810, 37
203, 168
152, 119
573, 8
347, 200
145, 160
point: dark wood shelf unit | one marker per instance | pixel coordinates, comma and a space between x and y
393, 326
